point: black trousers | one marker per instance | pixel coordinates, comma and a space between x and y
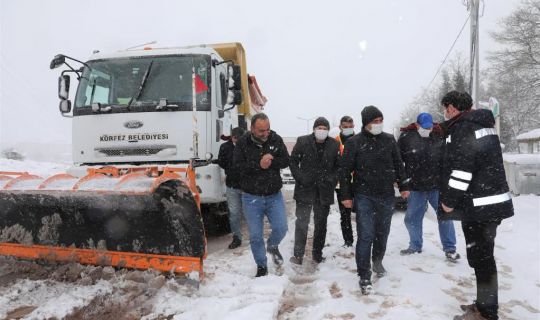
346, 226
303, 212
480, 240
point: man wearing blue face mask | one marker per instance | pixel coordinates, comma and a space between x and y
373, 158
421, 145
314, 165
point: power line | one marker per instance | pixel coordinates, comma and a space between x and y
448, 54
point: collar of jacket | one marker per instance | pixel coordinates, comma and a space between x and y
369, 134
449, 123
437, 129
271, 138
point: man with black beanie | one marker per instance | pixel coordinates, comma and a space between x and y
474, 190
314, 165
373, 158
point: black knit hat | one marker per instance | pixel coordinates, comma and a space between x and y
321, 121
369, 114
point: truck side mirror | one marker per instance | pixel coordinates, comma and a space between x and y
65, 106
234, 97
235, 77
57, 61
63, 87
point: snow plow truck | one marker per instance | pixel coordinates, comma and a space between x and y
145, 126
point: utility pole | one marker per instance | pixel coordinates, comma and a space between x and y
474, 76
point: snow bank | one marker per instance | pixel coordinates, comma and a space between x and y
522, 158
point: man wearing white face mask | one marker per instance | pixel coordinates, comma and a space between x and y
314, 165
346, 127
421, 144
375, 162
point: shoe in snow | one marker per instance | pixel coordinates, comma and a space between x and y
366, 287
452, 256
409, 251
261, 272
347, 244
236, 242
378, 268
296, 260
276, 255
319, 259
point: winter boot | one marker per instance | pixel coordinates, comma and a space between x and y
319, 259
276, 255
261, 272
409, 251
366, 287
236, 242
452, 256
347, 244
296, 260
378, 268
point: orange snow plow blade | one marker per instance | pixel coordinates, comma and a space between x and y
141, 218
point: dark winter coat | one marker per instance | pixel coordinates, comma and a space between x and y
473, 178
422, 157
225, 161
247, 156
314, 175
376, 163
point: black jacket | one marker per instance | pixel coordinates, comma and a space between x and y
247, 156
422, 157
312, 173
225, 161
376, 163
474, 180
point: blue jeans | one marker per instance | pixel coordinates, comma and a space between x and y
373, 220
416, 208
234, 202
255, 207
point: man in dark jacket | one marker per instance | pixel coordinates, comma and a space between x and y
260, 155
374, 158
346, 131
232, 181
474, 189
421, 149
314, 166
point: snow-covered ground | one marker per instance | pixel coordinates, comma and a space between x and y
422, 286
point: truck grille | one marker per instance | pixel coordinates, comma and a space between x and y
138, 151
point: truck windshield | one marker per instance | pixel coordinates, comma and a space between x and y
115, 82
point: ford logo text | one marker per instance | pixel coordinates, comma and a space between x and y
133, 124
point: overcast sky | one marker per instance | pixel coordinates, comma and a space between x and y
311, 58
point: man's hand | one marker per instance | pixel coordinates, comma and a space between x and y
266, 161
347, 203
405, 194
446, 209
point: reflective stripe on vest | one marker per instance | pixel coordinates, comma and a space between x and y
485, 132
491, 199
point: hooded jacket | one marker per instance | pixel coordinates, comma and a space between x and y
314, 176
473, 179
422, 157
377, 164
247, 156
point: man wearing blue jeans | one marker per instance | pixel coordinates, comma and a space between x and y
373, 159
260, 155
420, 145
232, 181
